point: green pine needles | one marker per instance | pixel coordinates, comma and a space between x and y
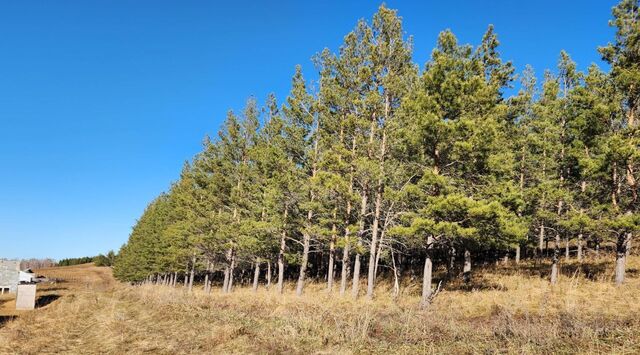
386, 168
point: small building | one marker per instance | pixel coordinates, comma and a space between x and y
9, 275
26, 276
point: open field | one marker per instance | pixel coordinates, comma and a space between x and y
515, 311
70, 280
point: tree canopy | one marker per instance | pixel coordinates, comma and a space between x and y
389, 164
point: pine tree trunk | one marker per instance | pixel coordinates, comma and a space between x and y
306, 237
192, 273
356, 265
283, 247
631, 180
355, 286
614, 184
206, 278
522, 173
281, 264
344, 272
306, 241
620, 269
427, 274
332, 252
452, 261
396, 283
579, 247
466, 270
621, 256
268, 285
373, 247
566, 249
231, 270
380, 244
363, 209
225, 283
541, 239
555, 260
256, 276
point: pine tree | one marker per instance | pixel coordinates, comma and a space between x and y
383, 164
302, 134
624, 57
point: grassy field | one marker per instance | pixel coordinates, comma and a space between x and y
507, 309
72, 281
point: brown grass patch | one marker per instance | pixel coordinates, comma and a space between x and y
522, 313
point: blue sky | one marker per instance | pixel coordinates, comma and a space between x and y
101, 102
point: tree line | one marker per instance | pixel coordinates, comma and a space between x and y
75, 261
35, 263
382, 168
98, 260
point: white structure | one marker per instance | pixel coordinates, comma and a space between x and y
9, 275
26, 297
26, 276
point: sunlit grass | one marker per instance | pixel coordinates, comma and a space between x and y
517, 312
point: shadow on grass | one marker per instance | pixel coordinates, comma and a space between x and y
5, 319
45, 289
476, 283
46, 300
591, 269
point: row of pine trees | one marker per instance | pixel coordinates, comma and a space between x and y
383, 168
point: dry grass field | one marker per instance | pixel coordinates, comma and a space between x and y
506, 310
72, 280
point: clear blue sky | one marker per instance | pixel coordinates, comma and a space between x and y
101, 102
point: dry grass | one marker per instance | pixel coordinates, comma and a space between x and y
518, 312
71, 280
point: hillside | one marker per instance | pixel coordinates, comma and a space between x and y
508, 309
